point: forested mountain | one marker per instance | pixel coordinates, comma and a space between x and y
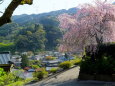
34, 32
21, 19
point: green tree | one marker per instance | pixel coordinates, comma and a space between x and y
31, 39
8, 78
22, 43
25, 61
7, 47
53, 33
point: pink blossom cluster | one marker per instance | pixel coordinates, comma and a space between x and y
92, 24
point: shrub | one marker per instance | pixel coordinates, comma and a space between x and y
65, 65
2, 72
18, 83
35, 62
76, 56
35, 66
53, 70
50, 58
76, 61
106, 49
9, 78
104, 65
102, 61
41, 74
88, 67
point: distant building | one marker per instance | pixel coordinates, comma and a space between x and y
51, 63
5, 61
16, 59
24, 53
36, 57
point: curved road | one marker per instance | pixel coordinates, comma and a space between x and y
69, 78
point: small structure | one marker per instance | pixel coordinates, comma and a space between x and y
51, 64
5, 61
16, 59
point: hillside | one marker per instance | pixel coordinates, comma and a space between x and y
20, 19
34, 32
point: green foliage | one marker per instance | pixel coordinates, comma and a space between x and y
50, 58
37, 63
6, 47
104, 65
2, 72
106, 49
18, 83
102, 61
76, 61
87, 66
30, 53
54, 70
53, 33
25, 61
26, 2
35, 66
8, 29
41, 74
27, 35
65, 65
9, 78
31, 39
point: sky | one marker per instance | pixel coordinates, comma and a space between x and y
41, 6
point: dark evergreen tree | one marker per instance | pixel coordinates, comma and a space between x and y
25, 61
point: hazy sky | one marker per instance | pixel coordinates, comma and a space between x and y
40, 6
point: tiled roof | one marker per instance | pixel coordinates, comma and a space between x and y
4, 57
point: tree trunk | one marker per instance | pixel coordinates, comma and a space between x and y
6, 17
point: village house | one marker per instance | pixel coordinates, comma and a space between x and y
5, 61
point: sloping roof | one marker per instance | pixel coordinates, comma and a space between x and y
4, 57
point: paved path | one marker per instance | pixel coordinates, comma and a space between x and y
69, 78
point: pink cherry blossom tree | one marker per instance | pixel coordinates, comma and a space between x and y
92, 24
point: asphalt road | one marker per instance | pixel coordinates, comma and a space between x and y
69, 78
